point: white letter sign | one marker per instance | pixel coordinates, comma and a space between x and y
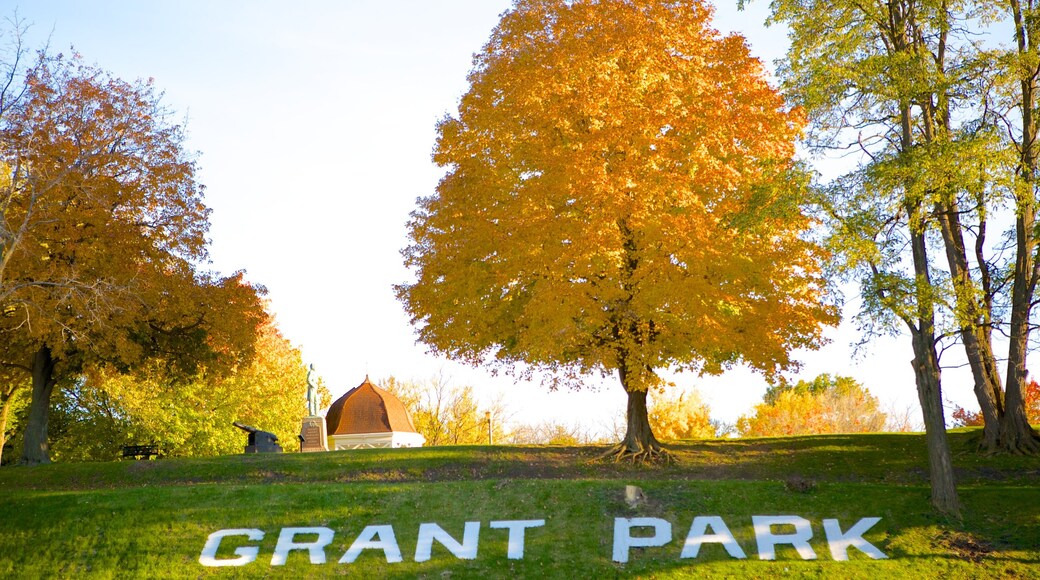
246, 554
841, 542
623, 539
516, 528
287, 543
467, 550
366, 539
636, 532
767, 540
699, 535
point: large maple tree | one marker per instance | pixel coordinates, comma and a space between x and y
620, 196
101, 236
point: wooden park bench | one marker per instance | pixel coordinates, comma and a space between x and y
140, 451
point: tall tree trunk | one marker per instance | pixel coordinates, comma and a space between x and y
35, 451
638, 437
973, 315
1016, 435
922, 330
972, 322
636, 378
926, 364
940, 462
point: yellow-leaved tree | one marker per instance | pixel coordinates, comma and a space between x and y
447, 414
620, 196
685, 416
105, 409
824, 405
102, 234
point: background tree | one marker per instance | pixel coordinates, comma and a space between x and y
102, 227
966, 418
550, 433
824, 405
447, 414
620, 197
14, 397
685, 416
106, 409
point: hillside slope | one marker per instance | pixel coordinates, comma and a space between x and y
719, 510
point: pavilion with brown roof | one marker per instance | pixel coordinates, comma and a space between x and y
368, 416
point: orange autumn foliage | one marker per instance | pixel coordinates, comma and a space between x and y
824, 405
1032, 397
964, 418
620, 197
682, 417
102, 235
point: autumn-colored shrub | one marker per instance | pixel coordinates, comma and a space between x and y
964, 418
680, 417
824, 405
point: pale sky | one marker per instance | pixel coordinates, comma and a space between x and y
314, 121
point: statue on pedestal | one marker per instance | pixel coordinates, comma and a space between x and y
313, 436
312, 393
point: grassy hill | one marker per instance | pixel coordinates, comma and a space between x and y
153, 518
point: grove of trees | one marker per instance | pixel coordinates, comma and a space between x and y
621, 197
102, 243
93, 419
938, 99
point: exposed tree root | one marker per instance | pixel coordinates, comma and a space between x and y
1016, 438
1028, 445
987, 448
652, 454
1026, 442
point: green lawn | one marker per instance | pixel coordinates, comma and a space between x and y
153, 518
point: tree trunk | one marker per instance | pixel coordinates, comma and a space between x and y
639, 443
940, 463
973, 315
988, 389
35, 450
927, 374
1016, 435
972, 320
639, 438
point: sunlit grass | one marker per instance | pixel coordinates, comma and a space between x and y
152, 518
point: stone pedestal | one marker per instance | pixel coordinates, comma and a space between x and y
313, 436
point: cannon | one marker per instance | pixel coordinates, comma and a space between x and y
259, 441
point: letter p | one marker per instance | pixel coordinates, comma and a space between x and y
623, 540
